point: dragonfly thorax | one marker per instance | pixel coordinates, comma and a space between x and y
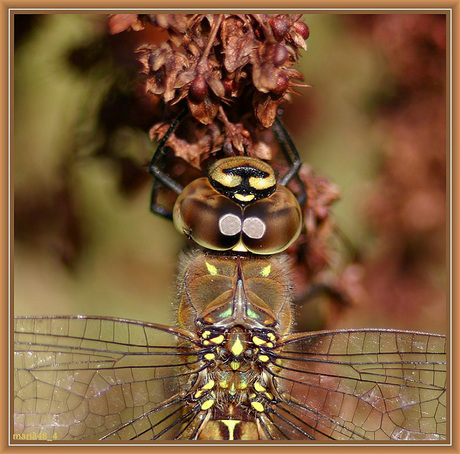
235, 390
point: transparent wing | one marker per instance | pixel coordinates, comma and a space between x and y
100, 378
361, 385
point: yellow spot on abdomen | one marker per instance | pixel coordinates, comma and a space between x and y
231, 424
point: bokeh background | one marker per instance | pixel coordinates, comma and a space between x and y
373, 123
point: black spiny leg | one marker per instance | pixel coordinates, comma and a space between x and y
156, 171
292, 156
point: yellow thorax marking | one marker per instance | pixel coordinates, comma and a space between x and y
266, 270
257, 406
208, 385
207, 404
264, 358
209, 356
258, 387
223, 384
198, 394
235, 365
237, 348
218, 339
211, 269
258, 341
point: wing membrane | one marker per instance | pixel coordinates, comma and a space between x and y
361, 384
95, 377
112, 379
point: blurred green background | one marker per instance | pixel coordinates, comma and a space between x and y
84, 246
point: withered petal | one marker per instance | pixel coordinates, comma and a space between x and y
120, 22
265, 107
204, 111
216, 85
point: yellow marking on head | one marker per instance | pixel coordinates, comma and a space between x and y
232, 390
262, 183
235, 365
231, 424
271, 336
211, 269
210, 356
240, 247
206, 334
207, 404
218, 339
243, 197
258, 387
258, 341
257, 406
264, 358
269, 345
223, 384
206, 342
237, 348
209, 385
227, 179
242, 385
269, 396
266, 270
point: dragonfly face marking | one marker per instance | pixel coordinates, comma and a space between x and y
243, 179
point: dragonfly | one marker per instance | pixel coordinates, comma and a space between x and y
232, 368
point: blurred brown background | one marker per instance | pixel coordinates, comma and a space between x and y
373, 123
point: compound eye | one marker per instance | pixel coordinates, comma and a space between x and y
272, 224
207, 217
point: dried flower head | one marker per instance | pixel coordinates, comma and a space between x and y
231, 70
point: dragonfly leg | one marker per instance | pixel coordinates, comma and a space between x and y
292, 156
161, 178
